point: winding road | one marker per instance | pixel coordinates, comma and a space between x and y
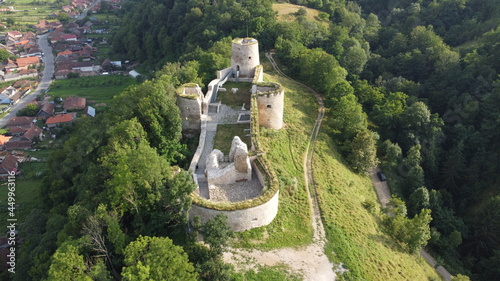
45, 81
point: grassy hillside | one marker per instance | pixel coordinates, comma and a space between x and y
285, 149
354, 232
286, 12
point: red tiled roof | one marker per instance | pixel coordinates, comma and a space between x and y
32, 132
9, 163
61, 118
17, 144
66, 52
14, 34
20, 121
4, 139
27, 71
48, 107
22, 62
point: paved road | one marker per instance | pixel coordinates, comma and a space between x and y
384, 195
45, 81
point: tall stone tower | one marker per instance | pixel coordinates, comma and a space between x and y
245, 57
189, 101
270, 102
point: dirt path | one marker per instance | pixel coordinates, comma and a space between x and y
310, 261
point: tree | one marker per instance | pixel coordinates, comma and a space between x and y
419, 200
393, 154
216, 233
30, 110
156, 258
347, 118
412, 171
68, 264
362, 155
4, 54
412, 233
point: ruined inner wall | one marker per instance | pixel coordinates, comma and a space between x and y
245, 56
270, 103
189, 101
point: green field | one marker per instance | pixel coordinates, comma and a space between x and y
27, 195
239, 98
99, 89
27, 13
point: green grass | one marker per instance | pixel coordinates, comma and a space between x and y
226, 133
33, 170
27, 195
275, 273
355, 236
236, 100
285, 149
97, 88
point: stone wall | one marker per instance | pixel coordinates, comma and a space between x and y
244, 219
189, 101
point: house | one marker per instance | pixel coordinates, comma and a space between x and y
62, 73
20, 122
69, 37
9, 65
46, 111
9, 163
9, 91
22, 85
52, 122
90, 111
14, 36
4, 139
74, 103
24, 63
17, 143
33, 134
5, 99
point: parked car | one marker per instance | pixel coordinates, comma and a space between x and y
381, 176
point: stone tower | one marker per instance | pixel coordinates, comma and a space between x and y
189, 101
245, 57
270, 102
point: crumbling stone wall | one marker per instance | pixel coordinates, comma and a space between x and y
244, 219
189, 101
236, 170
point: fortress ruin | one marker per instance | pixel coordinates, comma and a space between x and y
240, 185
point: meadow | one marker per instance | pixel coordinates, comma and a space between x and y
99, 89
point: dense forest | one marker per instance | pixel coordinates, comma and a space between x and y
411, 85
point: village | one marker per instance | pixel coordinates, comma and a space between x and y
28, 136
76, 54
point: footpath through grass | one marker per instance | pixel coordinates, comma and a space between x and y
285, 148
354, 232
100, 89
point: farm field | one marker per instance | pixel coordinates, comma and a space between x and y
100, 89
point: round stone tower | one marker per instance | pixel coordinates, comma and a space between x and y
245, 57
270, 102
